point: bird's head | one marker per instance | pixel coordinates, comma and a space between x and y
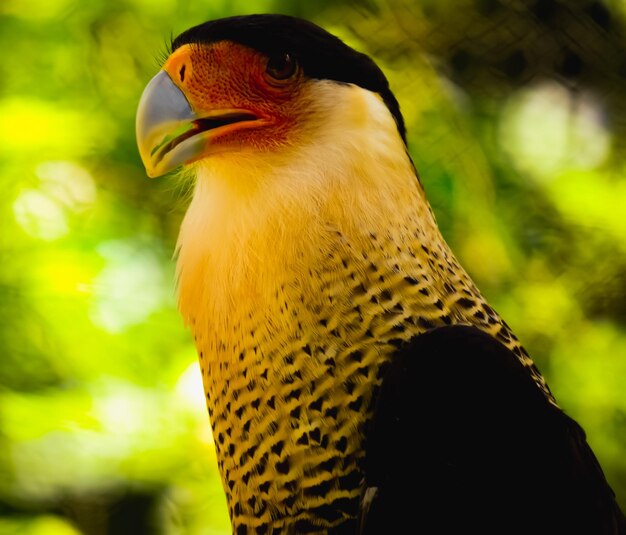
253, 84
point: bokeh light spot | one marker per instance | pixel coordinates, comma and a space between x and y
547, 129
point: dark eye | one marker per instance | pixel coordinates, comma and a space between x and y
281, 66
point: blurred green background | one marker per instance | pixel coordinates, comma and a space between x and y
516, 113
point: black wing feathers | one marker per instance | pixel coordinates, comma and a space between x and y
463, 441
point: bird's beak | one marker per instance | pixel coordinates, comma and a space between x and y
171, 130
165, 127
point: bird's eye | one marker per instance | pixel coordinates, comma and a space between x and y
281, 67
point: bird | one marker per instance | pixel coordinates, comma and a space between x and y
356, 379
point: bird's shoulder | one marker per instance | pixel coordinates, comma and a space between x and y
463, 438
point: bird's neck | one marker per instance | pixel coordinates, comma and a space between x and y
285, 286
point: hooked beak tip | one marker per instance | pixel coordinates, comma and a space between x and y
162, 112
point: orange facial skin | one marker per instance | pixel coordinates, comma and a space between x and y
224, 77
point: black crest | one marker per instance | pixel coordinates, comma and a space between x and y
320, 54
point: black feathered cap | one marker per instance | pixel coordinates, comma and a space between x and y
320, 54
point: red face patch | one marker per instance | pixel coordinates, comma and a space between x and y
225, 77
